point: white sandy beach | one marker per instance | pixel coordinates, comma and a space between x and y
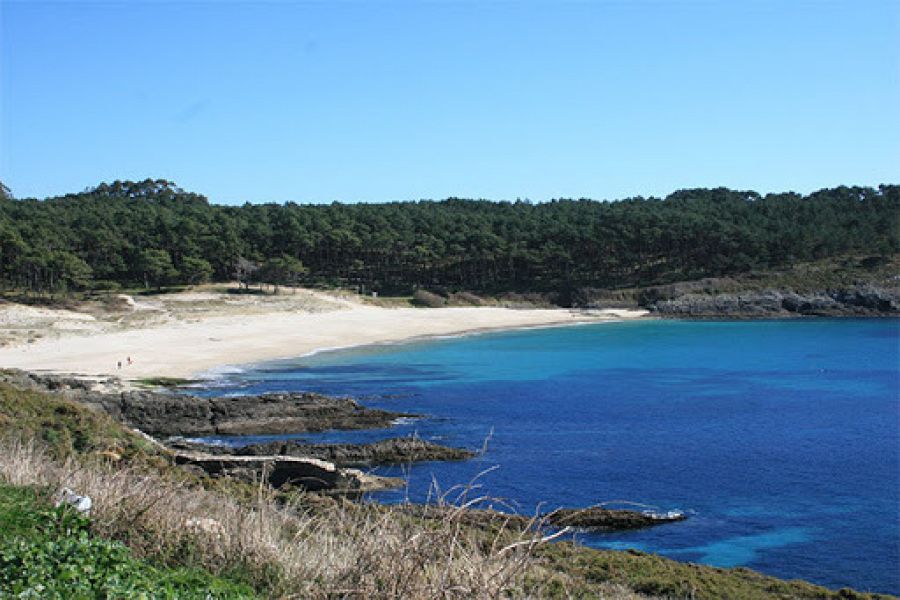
186, 348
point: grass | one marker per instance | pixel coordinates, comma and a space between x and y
48, 552
341, 549
657, 576
67, 428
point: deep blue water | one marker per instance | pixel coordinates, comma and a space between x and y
781, 436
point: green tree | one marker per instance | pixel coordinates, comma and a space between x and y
281, 270
69, 272
157, 268
195, 270
138, 232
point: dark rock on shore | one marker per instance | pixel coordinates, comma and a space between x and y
50, 382
176, 414
605, 519
166, 414
309, 473
593, 518
392, 451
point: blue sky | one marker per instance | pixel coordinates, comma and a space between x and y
377, 101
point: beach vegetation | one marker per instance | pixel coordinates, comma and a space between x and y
195, 270
281, 271
66, 428
155, 265
428, 299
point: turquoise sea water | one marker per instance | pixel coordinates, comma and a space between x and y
780, 437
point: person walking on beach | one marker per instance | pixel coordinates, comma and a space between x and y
129, 361
119, 365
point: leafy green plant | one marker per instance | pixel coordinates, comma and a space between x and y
51, 553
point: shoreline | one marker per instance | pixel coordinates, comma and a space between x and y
204, 344
237, 368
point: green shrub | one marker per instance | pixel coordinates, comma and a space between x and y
428, 299
51, 553
67, 427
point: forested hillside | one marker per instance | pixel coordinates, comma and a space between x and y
153, 233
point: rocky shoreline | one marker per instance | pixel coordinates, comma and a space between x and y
331, 469
860, 301
165, 414
393, 451
170, 417
722, 298
593, 518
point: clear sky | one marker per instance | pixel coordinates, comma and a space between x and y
378, 100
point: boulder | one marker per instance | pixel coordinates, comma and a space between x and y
67, 497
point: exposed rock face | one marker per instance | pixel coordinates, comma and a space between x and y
176, 414
309, 473
863, 300
386, 452
168, 414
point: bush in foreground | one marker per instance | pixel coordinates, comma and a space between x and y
343, 549
51, 553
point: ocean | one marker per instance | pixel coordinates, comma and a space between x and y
780, 438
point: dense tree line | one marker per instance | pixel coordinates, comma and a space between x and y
152, 233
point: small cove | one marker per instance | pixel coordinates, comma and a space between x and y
780, 436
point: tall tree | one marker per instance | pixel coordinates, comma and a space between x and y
157, 268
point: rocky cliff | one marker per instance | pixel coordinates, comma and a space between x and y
862, 301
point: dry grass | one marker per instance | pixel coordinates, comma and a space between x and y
341, 550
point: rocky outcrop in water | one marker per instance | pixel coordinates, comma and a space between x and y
393, 451
605, 519
594, 518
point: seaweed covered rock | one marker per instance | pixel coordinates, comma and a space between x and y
606, 519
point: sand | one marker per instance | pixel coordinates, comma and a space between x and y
193, 347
